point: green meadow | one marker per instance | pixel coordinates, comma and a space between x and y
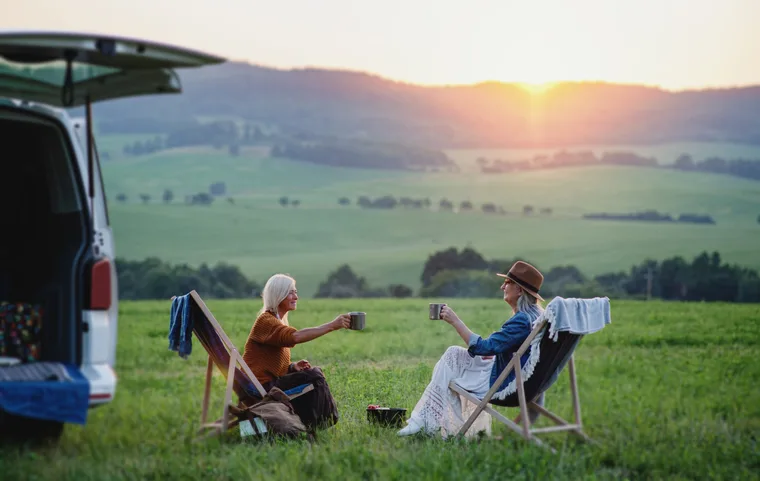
668, 391
391, 246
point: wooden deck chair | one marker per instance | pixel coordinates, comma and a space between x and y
554, 355
223, 353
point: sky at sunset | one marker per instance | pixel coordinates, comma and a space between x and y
675, 44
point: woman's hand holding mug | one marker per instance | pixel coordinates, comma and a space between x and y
341, 322
448, 315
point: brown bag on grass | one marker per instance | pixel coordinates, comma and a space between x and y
278, 415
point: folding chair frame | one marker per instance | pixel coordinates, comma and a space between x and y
224, 423
523, 428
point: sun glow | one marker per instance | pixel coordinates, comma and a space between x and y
537, 88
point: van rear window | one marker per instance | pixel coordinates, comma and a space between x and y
52, 73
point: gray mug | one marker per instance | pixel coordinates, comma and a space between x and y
357, 320
435, 311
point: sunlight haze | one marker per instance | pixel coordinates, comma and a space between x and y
674, 44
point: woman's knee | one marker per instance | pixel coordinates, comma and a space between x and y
455, 351
453, 355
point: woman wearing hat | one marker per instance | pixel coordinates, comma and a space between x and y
477, 367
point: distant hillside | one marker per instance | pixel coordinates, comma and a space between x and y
349, 104
306, 219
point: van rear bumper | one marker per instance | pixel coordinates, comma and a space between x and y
102, 379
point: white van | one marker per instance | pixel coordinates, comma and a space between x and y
58, 291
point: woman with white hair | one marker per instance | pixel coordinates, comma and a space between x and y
477, 367
267, 350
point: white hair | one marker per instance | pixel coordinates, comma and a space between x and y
275, 291
528, 303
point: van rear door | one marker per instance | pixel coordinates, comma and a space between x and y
66, 69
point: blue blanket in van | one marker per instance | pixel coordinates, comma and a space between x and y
44, 390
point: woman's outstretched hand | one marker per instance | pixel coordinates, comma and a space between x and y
448, 315
341, 322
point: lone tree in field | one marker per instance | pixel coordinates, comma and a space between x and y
121, 197
284, 201
528, 209
201, 198
684, 162
400, 290
342, 283
344, 201
168, 196
145, 198
489, 208
295, 202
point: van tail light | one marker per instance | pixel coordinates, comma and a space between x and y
100, 285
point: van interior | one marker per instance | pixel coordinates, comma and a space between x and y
43, 242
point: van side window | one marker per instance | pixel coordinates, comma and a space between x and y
58, 174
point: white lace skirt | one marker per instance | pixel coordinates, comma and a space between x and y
441, 410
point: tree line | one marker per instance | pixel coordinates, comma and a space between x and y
153, 278
350, 153
215, 189
466, 273
218, 134
391, 202
744, 168
652, 216
450, 273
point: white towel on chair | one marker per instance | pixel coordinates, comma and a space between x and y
578, 316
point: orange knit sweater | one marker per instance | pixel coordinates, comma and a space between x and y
267, 350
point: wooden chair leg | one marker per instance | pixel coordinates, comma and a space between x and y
521, 398
576, 400
207, 390
228, 392
574, 391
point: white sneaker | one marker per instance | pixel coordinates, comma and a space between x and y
411, 428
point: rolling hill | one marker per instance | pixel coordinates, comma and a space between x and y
488, 115
390, 246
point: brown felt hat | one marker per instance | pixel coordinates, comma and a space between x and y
526, 276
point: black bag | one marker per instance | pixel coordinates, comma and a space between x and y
317, 408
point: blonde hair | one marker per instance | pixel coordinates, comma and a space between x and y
275, 291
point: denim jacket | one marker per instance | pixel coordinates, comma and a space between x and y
503, 343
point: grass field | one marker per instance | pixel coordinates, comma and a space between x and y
668, 390
391, 246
